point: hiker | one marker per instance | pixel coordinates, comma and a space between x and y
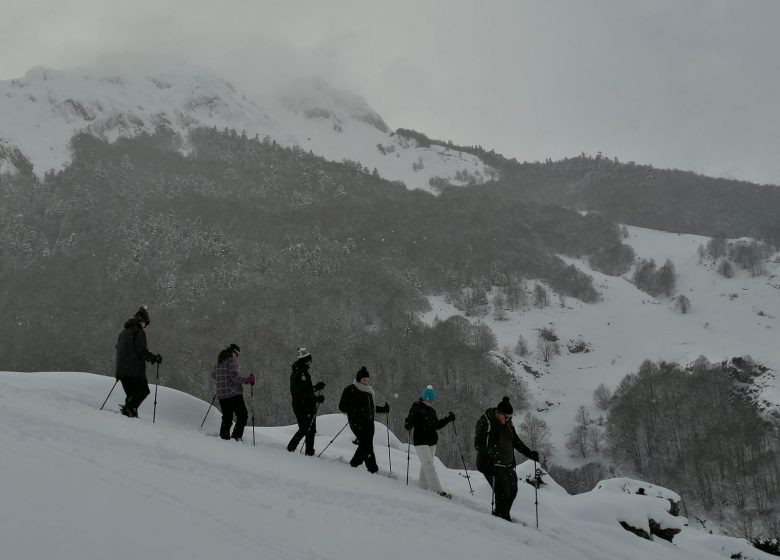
304, 401
423, 420
131, 357
357, 402
496, 440
230, 393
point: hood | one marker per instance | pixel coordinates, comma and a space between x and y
132, 322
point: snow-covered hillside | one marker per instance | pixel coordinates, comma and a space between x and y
41, 111
80, 483
728, 318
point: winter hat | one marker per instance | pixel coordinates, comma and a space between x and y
504, 407
428, 394
234, 348
361, 374
303, 353
142, 314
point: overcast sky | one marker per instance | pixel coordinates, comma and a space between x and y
677, 83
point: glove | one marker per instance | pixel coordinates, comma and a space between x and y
451, 416
158, 358
385, 409
251, 379
319, 386
408, 426
534, 456
319, 399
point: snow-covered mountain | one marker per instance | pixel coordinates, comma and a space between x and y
729, 317
83, 483
40, 113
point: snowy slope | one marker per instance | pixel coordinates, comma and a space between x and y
79, 483
629, 326
40, 112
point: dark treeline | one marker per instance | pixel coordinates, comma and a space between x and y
272, 248
689, 429
640, 195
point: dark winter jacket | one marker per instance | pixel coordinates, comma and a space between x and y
496, 442
131, 352
357, 402
301, 388
423, 420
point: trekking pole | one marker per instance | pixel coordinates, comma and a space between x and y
387, 425
156, 384
252, 405
209, 410
493, 494
536, 493
109, 394
313, 418
334, 439
468, 478
408, 447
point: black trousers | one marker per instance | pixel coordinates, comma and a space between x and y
503, 480
365, 449
136, 390
307, 427
230, 406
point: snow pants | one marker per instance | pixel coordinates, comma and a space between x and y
503, 480
429, 480
365, 449
307, 427
230, 406
136, 389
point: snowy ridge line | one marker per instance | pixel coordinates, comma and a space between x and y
44, 109
190, 496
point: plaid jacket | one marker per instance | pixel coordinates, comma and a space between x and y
227, 378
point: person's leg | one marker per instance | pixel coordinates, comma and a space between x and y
502, 487
312, 430
141, 392
129, 389
359, 456
423, 452
239, 408
226, 405
298, 435
512, 488
370, 458
429, 480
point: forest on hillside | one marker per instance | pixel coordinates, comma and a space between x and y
640, 195
273, 248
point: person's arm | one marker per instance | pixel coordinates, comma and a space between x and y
344, 403
140, 349
411, 419
441, 422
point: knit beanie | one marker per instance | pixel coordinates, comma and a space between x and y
234, 348
303, 353
428, 394
142, 314
361, 374
504, 407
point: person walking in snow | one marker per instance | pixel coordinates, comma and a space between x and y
131, 357
230, 392
423, 420
357, 402
495, 439
304, 401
